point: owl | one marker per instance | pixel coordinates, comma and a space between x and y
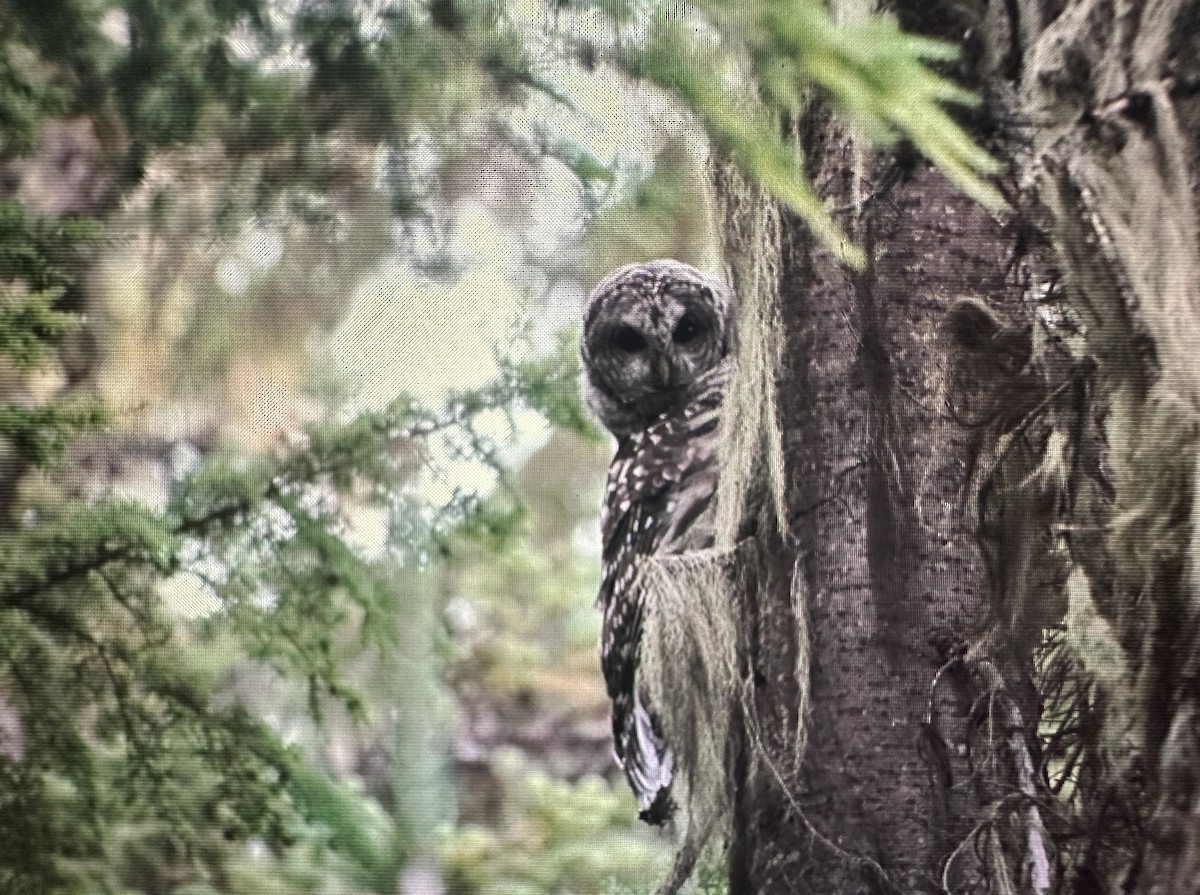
656, 353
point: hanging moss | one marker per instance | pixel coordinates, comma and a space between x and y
695, 644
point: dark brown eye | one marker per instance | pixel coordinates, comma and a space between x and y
685, 330
629, 340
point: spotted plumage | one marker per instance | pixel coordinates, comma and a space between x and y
656, 345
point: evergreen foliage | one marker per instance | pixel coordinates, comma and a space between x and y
118, 723
777, 53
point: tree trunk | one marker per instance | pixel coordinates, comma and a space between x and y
984, 448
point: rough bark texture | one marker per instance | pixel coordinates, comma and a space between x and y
878, 474
989, 451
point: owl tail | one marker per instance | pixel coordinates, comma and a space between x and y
649, 764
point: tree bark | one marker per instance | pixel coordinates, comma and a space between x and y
988, 444
877, 476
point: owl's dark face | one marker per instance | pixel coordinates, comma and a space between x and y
650, 332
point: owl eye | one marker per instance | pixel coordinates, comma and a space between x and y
628, 339
685, 330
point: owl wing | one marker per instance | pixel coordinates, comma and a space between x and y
660, 487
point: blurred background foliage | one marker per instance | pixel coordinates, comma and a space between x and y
298, 502
298, 495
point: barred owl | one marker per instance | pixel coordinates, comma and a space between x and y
656, 342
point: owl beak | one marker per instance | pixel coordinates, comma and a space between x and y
663, 368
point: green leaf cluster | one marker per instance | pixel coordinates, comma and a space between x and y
878, 75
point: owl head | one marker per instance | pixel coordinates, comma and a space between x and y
651, 333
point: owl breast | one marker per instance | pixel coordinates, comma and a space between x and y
660, 501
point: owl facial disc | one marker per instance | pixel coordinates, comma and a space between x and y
651, 332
